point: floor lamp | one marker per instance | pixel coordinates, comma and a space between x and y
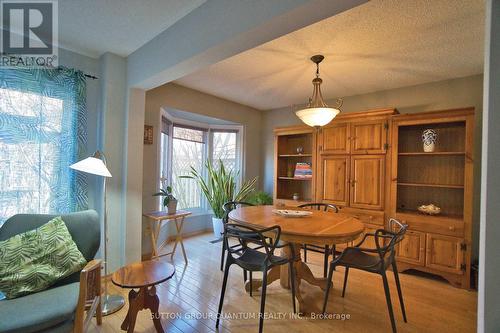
96, 165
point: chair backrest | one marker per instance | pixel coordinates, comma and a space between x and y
231, 205
320, 206
267, 238
84, 227
386, 240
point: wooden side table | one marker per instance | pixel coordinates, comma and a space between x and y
143, 276
157, 218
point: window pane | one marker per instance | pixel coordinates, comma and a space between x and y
224, 148
188, 134
164, 158
186, 154
29, 152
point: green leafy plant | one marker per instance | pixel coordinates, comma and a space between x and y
260, 198
167, 195
219, 186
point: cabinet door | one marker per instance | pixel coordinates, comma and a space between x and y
334, 139
368, 137
333, 187
412, 248
444, 253
367, 181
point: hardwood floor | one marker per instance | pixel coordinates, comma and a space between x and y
189, 301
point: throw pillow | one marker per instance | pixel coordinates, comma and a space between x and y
34, 260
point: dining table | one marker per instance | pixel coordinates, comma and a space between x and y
318, 228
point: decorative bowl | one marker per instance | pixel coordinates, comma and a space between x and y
291, 213
430, 209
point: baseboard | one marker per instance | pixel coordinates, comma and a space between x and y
147, 256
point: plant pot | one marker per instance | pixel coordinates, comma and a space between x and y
172, 207
218, 227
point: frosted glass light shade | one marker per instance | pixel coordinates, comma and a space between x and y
317, 116
93, 166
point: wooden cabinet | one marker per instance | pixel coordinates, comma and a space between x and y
335, 139
369, 137
442, 177
334, 178
367, 181
444, 253
352, 158
412, 248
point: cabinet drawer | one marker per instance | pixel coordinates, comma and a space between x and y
435, 224
365, 215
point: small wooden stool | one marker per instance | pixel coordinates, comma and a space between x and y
143, 276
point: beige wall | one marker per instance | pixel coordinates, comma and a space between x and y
440, 95
181, 98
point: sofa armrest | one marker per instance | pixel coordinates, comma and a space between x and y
90, 296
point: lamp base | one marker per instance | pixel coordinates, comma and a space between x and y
111, 304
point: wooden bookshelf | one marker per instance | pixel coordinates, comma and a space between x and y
287, 141
443, 178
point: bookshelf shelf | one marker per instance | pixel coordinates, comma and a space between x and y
295, 178
295, 155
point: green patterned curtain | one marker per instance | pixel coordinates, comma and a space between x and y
42, 132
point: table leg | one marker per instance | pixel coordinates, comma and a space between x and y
302, 272
155, 232
178, 238
272, 275
134, 301
153, 303
139, 300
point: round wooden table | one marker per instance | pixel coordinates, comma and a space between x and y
143, 276
320, 228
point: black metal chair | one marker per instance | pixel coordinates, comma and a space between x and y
325, 250
228, 207
376, 260
253, 260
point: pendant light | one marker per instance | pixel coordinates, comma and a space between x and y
317, 113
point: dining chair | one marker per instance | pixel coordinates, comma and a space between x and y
325, 250
374, 260
228, 207
252, 260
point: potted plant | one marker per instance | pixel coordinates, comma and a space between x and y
219, 187
260, 198
169, 200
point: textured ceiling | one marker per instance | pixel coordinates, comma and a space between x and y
380, 45
93, 27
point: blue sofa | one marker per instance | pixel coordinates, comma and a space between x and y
52, 310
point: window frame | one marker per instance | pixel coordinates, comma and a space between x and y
209, 129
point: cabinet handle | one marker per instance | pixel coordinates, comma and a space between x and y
451, 228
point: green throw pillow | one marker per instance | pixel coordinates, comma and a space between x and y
36, 259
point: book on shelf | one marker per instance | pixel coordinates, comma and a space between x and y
303, 170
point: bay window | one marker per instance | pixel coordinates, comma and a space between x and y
184, 146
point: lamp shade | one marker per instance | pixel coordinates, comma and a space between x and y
317, 116
92, 165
